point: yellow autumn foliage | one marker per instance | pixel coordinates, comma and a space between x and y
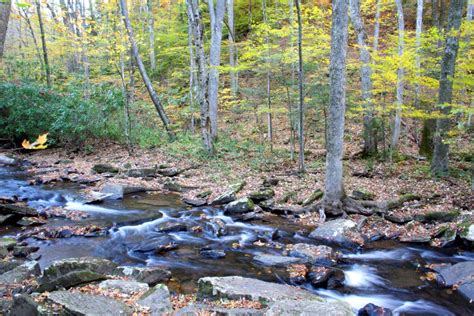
39, 143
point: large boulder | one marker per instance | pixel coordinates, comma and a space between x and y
123, 286
240, 206
118, 191
462, 275
312, 253
149, 275
157, 300
236, 288
21, 273
18, 209
80, 304
277, 261
262, 194
309, 308
340, 231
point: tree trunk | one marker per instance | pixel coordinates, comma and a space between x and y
43, 42
301, 167
151, 31
192, 74
400, 74
291, 118
419, 26
377, 27
234, 75
269, 76
440, 161
24, 14
146, 80
5, 7
217, 22
334, 189
370, 136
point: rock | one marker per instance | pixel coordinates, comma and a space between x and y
397, 218
216, 227
7, 243
309, 308
202, 309
171, 227
402, 200
69, 280
204, 194
446, 236
362, 195
141, 172
97, 197
148, 275
460, 274
437, 216
8, 265
468, 232
237, 187
297, 273
239, 206
158, 245
18, 209
194, 202
31, 221
211, 253
319, 276
313, 254
313, 197
21, 273
33, 256
7, 161
250, 216
224, 198
173, 186
236, 288
374, 310
5, 219
277, 261
416, 238
24, 305
168, 172
104, 168
262, 194
284, 209
86, 304
125, 287
23, 251
270, 182
157, 300
341, 231
118, 191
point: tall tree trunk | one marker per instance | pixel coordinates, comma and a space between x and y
5, 7
43, 42
370, 136
377, 27
192, 74
291, 118
217, 14
151, 31
146, 80
400, 74
234, 75
440, 161
301, 166
85, 51
24, 14
195, 20
469, 14
419, 27
269, 77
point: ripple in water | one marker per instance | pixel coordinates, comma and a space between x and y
361, 276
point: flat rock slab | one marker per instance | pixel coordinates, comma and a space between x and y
157, 300
277, 261
312, 253
236, 287
21, 273
149, 275
202, 309
461, 274
340, 231
126, 287
309, 308
91, 305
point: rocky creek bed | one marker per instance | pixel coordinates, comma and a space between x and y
124, 251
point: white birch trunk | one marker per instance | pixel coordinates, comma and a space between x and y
151, 33
419, 27
234, 75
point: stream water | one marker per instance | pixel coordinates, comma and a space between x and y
384, 273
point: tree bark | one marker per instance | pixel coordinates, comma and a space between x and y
440, 160
151, 31
5, 7
43, 43
24, 14
291, 118
400, 74
370, 136
377, 27
234, 75
419, 27
269, 98
301, 167
217, 22
146, 80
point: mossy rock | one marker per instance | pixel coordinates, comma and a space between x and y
262, 194
237, 187
313, 197
363, 195
104, 168
288, 196
438, 216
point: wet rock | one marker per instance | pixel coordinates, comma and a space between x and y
239, 206
460, 274
171, 227
250, 216
118, 191
33, 256
437, 216
24, 251
362, 195
211, 253
18, 209
157, 300
216, 227
310, 307
7, 161
21, 273
313, 197
86, 304
195, 202
157, 245
262, 194
341, 231
202, 309
314, 254
168, 172
297, 273
69, 280
236, 287
125, 287
5, 219
141, 172
104, 168
446, 236
8, 265
148, 275
7, 243
224, 198
31, 221
97, 197
277, 261
24, 305
468, 232
416, 238
374, 310
319, 276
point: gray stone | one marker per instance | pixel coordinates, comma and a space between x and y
312, 253
216, 227
237, 187
141, 172
7, 161
202, 309
31, 221
337, 231
24, 305
8, 265
118, 191
170, 227
97, 197
362, 195
224, 198
123, 286
468, 232
278, 261
7, 243
157, 299
18, 209
21, 273
262, 194
309, 308
85, 304
243, 205
149, 275
169, 172
104, 168
69, 280
313, 197
195, 202
4, 219
461, 274
236, 287
24, 251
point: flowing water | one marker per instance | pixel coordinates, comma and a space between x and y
385, 273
